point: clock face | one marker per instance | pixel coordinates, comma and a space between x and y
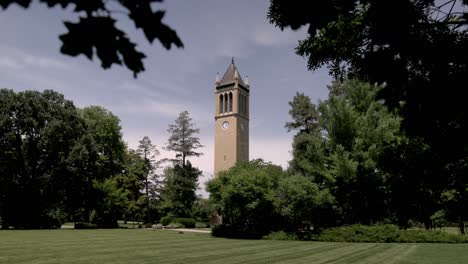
225, 125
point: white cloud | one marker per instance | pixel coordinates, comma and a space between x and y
15, 59
267, 35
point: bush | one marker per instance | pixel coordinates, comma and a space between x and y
84, 225
201, 225
148, 225
166, 220
175, 225
280, 235
360, 233
157, 226
387, 234
186, 222
235, 232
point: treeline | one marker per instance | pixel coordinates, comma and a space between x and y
352, 164
59, 163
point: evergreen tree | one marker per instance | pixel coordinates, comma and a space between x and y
148, 152
182, 138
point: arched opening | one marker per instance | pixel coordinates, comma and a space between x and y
246, 105
226, 103
221, 102
240, 103
230, 101
243, 104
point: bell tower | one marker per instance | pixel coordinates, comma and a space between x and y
231, 119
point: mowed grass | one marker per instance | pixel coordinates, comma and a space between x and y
165, 246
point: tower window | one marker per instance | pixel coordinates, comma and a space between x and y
226, 99
225, 157
240, 103
230, 102
221, 101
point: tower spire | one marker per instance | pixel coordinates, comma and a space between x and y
232, 61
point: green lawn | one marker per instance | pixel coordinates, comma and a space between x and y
165, 246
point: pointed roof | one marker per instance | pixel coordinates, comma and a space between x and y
231, 75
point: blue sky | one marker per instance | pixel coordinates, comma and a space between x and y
213, 31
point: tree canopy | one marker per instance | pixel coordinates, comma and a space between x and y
182, 138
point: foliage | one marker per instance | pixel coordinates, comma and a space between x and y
175, 225
415, 57
178, 192
238, 232
96, 34
245, 196
387, 234
185, 222
37, 134
84, 225
148, 153
201, 225
111, 203
300, 200
340, 155
280, 235
202, 210
182, 138
166, 220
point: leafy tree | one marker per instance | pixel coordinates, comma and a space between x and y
201, 210
130, 180
105, 129
182, 138
302, 202
38, 133
245, 195
148, 152
96, 33
9, 160
98, 155
421, 58
342, 152
178, 192
112, 202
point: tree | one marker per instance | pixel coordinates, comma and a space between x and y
342, 152
148, 152
302, 202
182, 138
97, 34
245, 195
98, 155
38, 132
420, 55
178, 192
111, 203
131, 179
105, 129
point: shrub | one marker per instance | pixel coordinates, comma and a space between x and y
166, 220
361, 233
175, 225
186, 222
148, 225
157, 226
84, 225
235, 232
387, 234
280, 235
201, 225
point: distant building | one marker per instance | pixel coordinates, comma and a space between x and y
231, 119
